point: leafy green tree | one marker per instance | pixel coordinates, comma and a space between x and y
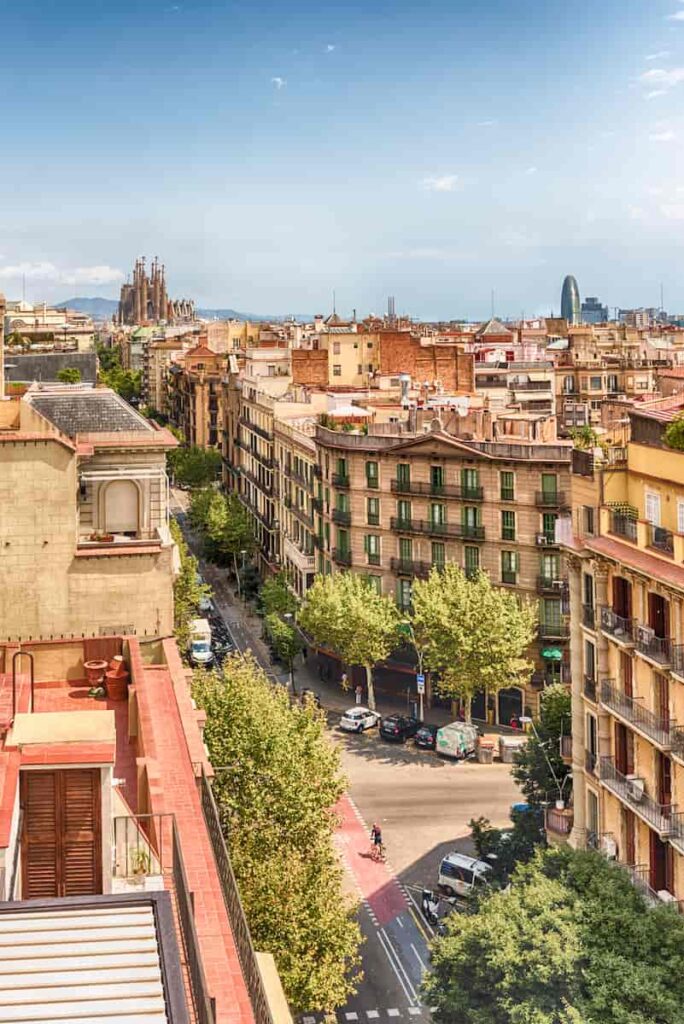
229, 530
194, 466
198, 509
584, 437
277, 782
475, 634
674, 433
345, 612
69, 375
187, 591
108, 357
276, 596
504, 849
539, 769
286, 641
571, 941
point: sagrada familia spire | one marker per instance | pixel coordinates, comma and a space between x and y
146, 301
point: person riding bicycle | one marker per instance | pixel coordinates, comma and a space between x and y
376, 837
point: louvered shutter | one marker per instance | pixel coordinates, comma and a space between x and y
39, 840
81, 849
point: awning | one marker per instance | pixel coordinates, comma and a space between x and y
552, 653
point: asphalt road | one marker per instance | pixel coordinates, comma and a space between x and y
423, 803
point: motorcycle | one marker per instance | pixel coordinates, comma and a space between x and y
429, 904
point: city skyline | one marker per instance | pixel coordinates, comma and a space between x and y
433, 152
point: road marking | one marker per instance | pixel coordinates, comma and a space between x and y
399, 978
418, 957
400, 922
394, 1013
418, 919
351, 1016
308, 1020
412, 997
372, 1014
414, 1010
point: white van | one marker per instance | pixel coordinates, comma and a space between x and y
456, 740
460, 875
200, 643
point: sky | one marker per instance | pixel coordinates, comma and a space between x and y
274, 153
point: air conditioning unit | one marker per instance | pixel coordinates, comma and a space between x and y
609, 847
635, 788
645, 635
666, 897
542, 540
557, 584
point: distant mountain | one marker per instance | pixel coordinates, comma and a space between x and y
98, 308
104, 309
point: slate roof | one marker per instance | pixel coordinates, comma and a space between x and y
46, 365
89, 412
493, 328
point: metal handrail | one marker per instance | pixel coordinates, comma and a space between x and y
657, 727
236, 913
205, 1005
141, 845
632, 792
19, 654
616, 625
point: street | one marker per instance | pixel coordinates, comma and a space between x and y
422, 802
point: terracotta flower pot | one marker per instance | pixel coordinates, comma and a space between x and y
95, 671
116, 686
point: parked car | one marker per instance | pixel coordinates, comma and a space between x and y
398, 727
457, 740
307, 694
460, 875
359, 719
426, 737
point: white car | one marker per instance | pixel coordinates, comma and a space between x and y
358, 719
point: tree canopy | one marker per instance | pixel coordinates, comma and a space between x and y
276, 596
674, 433
475, 634
225, 525
343, 611
277, 782
539, 769
187, 591
571, 941
194, 466
69, 375
285, 640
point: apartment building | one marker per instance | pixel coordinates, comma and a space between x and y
193, 385
624, 556
528, 386
394, 502
45, 328
84, 541
296, 464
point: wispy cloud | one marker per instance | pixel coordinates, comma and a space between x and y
531, 170
654, 93
330, 47
441, 183
666, 135
50, 273
279, 82
486, 124
673, 211
660, 55
663, 79
677, 16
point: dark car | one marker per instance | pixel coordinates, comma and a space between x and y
426, 737
398, 727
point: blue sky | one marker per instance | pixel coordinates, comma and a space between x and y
272, 152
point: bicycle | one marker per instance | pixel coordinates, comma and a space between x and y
378, 853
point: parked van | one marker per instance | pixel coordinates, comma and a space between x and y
461, 876
456, 740
200, 643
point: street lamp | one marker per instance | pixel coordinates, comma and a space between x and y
237, 571
289, 619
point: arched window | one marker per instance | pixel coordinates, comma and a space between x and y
121, 507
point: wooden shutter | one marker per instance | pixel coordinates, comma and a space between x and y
81, 851
40, 860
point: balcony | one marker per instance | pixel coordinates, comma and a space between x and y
266, 434
616, 626
546, 540
589, 616
409, 567
548, 499
554, 630
678, 659
532, 385
635, 714
341, 517
623, 526
303, 560
660, 539
558, 823
303, 516
342, 556
630, 789
550, 585
566, 748
317, 504
589, 688
431, 529
340, 480
431, 490
655, 648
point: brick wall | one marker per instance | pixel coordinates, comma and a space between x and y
310, 367
401, 352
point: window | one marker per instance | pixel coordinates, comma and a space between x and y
507, 480
341, 467
509, 566
438, 554
551, 612
359, 368
470, 521
470, 483
595, 383
472, 561
652, 508
404, 511
592, 812
373, 510
436, 479
508, 525
372, 474
403, 475
588, 584
404, 594
336, 348
376, 583
343, 540
549, 525
369, 345
371, 545
588, 520
405, 549
549, 484
337, 370
680, 516
612, 383
342, 501
589, 660
550, 567
568, 385
438, 514
592, 736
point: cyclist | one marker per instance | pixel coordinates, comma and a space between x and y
377, 849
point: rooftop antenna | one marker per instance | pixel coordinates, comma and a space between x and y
334, 303
492, 303
662, 304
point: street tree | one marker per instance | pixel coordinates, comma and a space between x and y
198, 509
570, 941
230, 531
69, 375
345, 612
277, 783
505, 848
194, 466
276, 596
188, 592
285, 640
475, 634
539, 769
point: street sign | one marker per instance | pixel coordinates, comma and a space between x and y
420, 683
